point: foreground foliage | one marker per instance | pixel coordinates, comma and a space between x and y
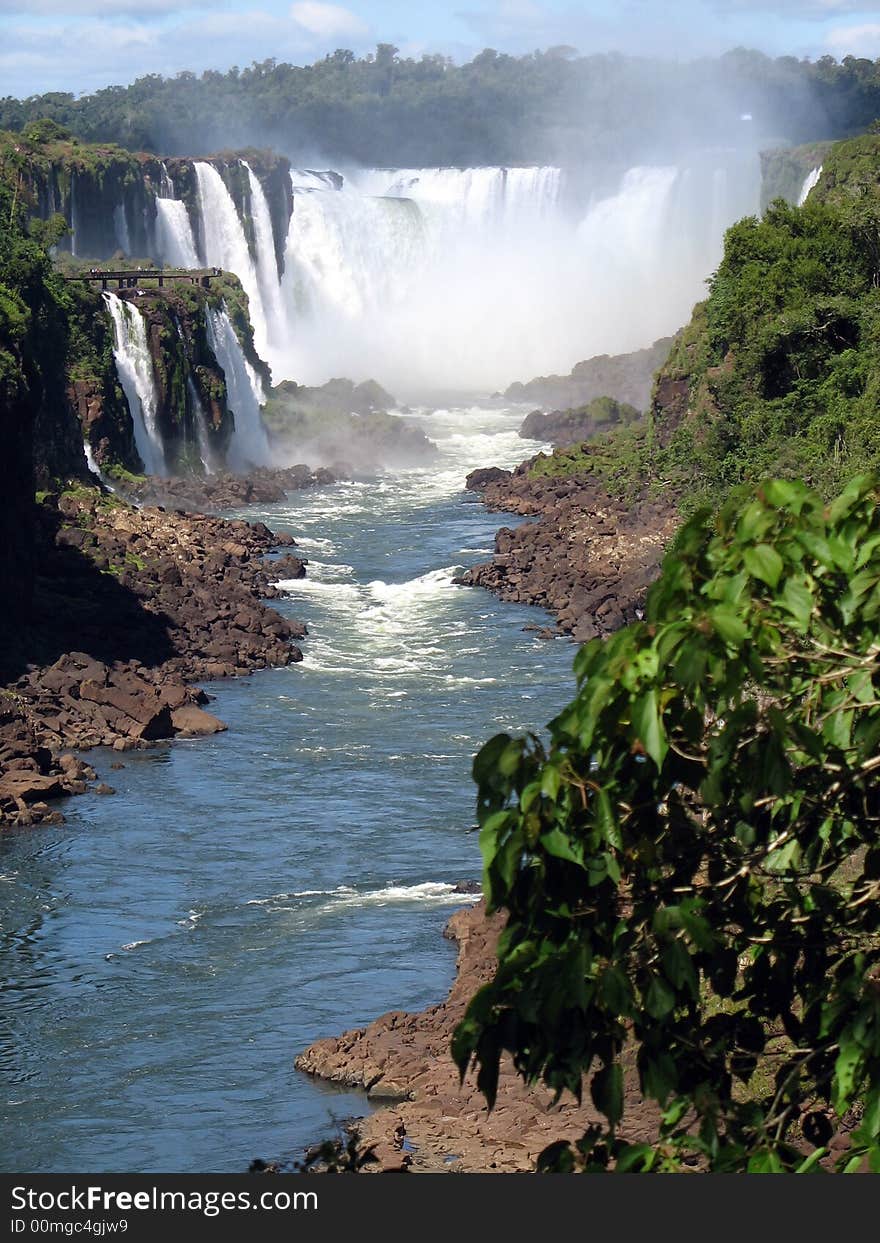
692, 868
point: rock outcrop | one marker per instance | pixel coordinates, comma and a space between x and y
588, 559
344, 422
435, 1124
625, 377
570, 427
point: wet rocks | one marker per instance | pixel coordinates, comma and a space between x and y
588, 559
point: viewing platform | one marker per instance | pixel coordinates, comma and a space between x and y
133, 278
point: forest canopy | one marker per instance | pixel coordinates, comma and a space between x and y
386, 109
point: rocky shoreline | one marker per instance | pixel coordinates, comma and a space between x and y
587, 557
431, 1123
131, 607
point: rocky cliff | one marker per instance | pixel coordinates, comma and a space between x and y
107, 195
625, 377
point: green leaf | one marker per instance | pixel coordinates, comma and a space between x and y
648, 727
562, 846
606, 1089
847, 1072
798, 600
486, 759
606, 821
765, 1162
659, 999
765, 563
729, 625
810, 1164
551, 782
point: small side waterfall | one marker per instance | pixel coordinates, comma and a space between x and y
244, 394
134, 365
120, 228
94, 468
224, 245
74, 217
810, 182
200, 419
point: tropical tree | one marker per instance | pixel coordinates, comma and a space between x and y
691, 866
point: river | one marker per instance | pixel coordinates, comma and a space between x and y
167, 951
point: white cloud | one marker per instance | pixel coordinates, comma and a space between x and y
326, 20
861, 40
804, 10
88, 53
91, 8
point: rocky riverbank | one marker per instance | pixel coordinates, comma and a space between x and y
131, 606
432, 1123
587, 558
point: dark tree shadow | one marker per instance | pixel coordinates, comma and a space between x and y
78, 607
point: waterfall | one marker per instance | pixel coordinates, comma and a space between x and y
347, 254
201, 422
94, 468
224, 245
74, 216
174, 235
120, 228
244, 394
469, 277
267, 266
134, 365
471, 196
810, 182
175, 243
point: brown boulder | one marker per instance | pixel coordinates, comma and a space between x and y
195, 722
30, 787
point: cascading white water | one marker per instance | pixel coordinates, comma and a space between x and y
277, 327
224, 245
468, 278
244, 394
201, 421
175, 243
74, 218
471, 195
134, 365
94, 468
810, 182
347, 255
120, 228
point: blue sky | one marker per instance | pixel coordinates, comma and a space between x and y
79, 45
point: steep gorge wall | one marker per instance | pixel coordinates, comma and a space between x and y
107, 195
17, 412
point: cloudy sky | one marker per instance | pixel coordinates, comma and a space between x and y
79, 45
